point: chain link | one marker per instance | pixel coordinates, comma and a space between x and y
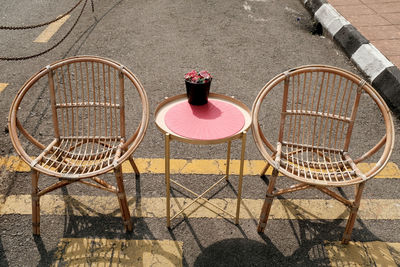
41, 24
59, 42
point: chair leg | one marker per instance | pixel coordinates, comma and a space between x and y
267, 202
35, 203
265, 169
267, 166
134, 167
123, 203
353, 214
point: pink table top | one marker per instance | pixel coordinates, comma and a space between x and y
214, 120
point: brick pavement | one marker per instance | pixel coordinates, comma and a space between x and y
377, 20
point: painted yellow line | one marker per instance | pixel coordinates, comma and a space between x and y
197, 166
299, 209
47, 33
117, 252
374, 253
3, 86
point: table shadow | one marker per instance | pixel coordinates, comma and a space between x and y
310, 238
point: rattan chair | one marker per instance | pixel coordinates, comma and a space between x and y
317, 115
88, 135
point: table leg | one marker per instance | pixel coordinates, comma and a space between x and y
167, 177
228, 159
239, 196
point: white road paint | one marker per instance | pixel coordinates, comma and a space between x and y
246, 6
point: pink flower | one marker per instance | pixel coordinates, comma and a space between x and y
198, 77
195, 79
205, 74
192, 73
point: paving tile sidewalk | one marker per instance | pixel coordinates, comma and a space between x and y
368, 31
377, 20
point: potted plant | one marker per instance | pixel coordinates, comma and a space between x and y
198, 86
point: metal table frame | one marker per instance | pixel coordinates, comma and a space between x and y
169, 135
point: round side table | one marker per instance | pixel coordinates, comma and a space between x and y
221, 120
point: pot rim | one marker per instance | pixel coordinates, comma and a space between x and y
208, 81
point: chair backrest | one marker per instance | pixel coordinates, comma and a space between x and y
319, 106
87, 99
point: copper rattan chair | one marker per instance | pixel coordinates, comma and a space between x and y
89, 132
317, 115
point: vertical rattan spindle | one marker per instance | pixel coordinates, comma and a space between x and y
53, 102
122, 102
284, 106
353, 115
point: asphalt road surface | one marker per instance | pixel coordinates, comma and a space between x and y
243, 44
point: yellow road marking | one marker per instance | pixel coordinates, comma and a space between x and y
117, 252
374, 253
300, 209
394, 249
198, 166
47, 33
3, 86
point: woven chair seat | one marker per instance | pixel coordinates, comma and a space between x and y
73, 157
319, 166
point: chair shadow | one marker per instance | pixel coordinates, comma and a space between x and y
3, 257
311, 239
310, 236
92, 239
82, 221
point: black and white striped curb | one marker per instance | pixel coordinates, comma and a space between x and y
379, 71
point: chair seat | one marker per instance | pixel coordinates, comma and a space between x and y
76, 156
319, 165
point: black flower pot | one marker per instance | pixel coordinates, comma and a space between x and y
197, 93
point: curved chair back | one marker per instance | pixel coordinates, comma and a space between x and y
317, 115
87, 98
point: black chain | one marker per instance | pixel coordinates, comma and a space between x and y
51, 48
41, 24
